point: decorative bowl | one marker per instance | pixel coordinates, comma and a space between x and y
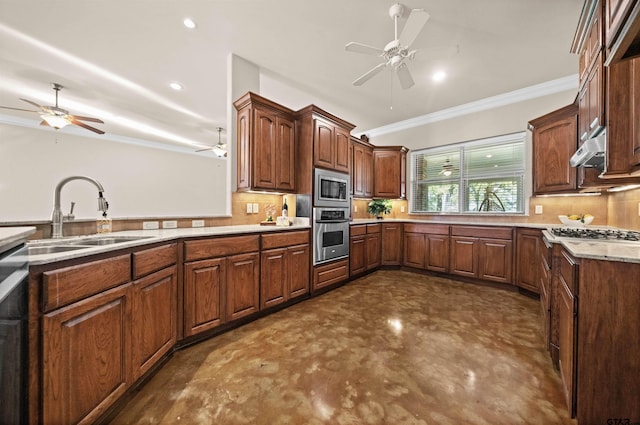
580, 222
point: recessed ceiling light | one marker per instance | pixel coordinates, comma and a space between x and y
439, 76
176, 86
189, 23
488, 155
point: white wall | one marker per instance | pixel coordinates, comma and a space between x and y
138, 181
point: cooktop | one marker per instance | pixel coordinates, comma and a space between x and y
602, 234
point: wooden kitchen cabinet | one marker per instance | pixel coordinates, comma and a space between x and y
544, 284
373, 246
615, 13
266, 145
362, 169
364, 248
391, 249
389, 164
329, 274
482, 252
284, 267
221, 281
528, 245
426, 246
554, 140
331, 145
567, 328
85, 357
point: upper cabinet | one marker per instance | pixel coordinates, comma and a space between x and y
390, 169
266, 147
361, 168
621, 29
554, 137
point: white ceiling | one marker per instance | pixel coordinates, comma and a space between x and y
116, 58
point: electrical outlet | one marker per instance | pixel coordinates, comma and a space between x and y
538, 209
150, 225
170, 224
401, 208
256, 209
197, 223
249, 208
355, 208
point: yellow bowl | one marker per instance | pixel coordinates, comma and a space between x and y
575, 223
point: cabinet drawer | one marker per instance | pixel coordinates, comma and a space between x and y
63, 286
433, 229
154, 259
482, 232
373, 228
280, 240
358, 230
568, 271
327, 274
220, 247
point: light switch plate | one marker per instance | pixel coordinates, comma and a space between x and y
249, 208
538, 209
197, 223
256, 208
170, 224
150, 225
401, 208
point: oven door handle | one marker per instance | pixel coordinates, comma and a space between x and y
332, 221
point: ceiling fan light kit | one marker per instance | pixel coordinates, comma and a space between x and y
397, 50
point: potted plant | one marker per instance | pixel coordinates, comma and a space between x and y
378, 207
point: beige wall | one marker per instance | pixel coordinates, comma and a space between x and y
623, 209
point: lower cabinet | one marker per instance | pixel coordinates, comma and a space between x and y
528, 244
329, 274
567, 327
426, 246
391, 249
364, 248
482, 252
544, 283
243, 285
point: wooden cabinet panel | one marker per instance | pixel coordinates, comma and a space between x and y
285, 155
153, 319
264, 148
284, 239
566, 327
373, 251
357, 256
220, 247
273, 277
85, 357
63, 286
243, 149
528, 244
437, 253
554, 139
362, 169
389, 164
299, 258
414, 250
493, 232
342, 141
464, 256
496, 260
243, 285
204, 285
615, 11
391, 244
323, 144
154, 259
328, 274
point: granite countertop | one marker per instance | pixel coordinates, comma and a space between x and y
13, 236
148, 237
456, 222
607, 250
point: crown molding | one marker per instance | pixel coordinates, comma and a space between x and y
539, 90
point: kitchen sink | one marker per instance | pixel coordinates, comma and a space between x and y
52, 249
108, 240
53, 246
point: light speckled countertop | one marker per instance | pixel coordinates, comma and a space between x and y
13, 236
608, 250
460, 222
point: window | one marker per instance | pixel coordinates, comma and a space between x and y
479, 177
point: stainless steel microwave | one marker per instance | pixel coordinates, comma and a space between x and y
331, 189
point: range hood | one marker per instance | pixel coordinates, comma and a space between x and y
591, 153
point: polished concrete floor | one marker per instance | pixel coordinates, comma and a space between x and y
391, 348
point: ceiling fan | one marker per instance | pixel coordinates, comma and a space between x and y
220, 149
56, 117
397, 50
447, 168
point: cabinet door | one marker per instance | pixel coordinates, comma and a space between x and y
373, 251
153, 319
437, 253
553, 146
273, 277
635, 113
387, 174
368, 173
357, 256
528, 241
357, 172
391, 245
341, 149
204, 284
615, 12
299, 281
464, 256
243, 285
285, 155
496, 260
264, 150
414, 250
323, 144
566, 341
243, 147
85, 356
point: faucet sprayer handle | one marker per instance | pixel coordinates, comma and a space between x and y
73, 204
103, 205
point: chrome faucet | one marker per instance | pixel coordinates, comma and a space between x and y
57, 217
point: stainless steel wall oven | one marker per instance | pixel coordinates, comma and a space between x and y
330, 234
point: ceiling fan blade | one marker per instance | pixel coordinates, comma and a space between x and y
205, 149
17, 109
406, 81
414, 25
44, 123
363, 48
79, 117
369, 74
83, 125
30, 102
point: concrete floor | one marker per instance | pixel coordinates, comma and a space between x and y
391, 348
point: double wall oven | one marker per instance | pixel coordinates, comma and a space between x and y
331, 211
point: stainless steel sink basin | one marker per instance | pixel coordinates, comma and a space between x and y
52, 249
108, 240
